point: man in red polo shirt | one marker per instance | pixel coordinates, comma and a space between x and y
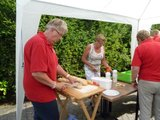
146, 69
41, 68
156, 35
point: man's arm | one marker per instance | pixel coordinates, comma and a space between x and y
44, 79
135, 72
62, 72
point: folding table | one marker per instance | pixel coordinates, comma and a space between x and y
124, 88
80, 97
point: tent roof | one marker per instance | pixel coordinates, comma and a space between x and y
135, 9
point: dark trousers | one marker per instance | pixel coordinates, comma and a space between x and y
46, 111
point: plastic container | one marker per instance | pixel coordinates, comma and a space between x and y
114, 75
125, 76
103, 82
108, 75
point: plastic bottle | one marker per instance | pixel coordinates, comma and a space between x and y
108, 75
114, 75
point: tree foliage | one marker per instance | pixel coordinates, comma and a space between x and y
156, 26
7, 48
69, 50
82, 32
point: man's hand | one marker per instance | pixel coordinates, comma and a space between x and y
134, 84
71, 79
61, 86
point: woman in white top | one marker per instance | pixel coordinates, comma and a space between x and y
93, 57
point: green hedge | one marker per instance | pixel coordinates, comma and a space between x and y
69, 50
82, 32
7, 49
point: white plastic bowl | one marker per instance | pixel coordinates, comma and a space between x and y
103, 82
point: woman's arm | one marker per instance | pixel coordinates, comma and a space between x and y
105, 63
84, 58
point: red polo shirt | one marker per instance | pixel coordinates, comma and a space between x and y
39, 56
156, 38
147, 57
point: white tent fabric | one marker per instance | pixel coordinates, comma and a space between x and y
141, 14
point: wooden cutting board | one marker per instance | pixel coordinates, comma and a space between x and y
72, 92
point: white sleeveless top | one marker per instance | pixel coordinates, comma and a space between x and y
95, 58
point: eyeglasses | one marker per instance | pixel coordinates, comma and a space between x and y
60, 34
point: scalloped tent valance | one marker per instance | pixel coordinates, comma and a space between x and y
141, 14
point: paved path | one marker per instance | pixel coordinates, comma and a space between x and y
123, 109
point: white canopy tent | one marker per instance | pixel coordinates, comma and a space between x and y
141, 14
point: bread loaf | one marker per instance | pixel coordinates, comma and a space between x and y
80, 80
90, 82
74, 85
77, 85
77, 79
63, 80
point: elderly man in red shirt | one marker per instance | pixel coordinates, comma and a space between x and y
146, 69
41, 68
156, 35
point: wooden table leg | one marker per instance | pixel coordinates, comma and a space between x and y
81, 103
97, 101
137, 107
63, 105
110, 106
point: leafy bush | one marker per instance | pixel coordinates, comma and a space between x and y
82, 32
7, 49
69, 50
156, 26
